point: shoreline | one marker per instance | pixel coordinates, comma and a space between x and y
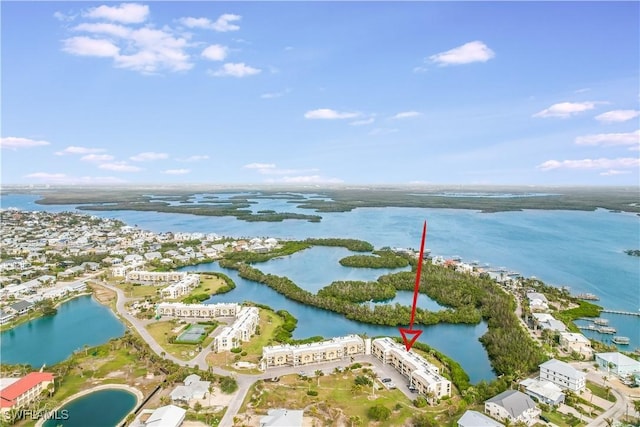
137, 393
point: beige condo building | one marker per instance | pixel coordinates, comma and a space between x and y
317, 352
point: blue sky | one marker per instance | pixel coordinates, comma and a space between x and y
538, 93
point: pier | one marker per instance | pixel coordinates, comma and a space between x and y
626, 313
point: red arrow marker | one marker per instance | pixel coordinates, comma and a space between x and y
409, 336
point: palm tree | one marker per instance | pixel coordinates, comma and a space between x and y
609, 422
355, 420
318, 373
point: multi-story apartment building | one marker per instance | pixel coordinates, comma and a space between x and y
17, 393
563, 375
241, 330
317, 352
206, 311
139, 276
182, 287
422, 375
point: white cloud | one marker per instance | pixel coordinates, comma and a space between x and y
235, 70
149, 156
362, 122
63, 17
215, 52
119, 167
260, 166
127, 13
328, 114
610, 139
382, 131
74, 149
565, 109
97, 158
104, 28
176, 171
14, 143
613, 172
86, 46
406, 115
617, 116
602, 163
475, 51
222, 24
194, 158
46, 175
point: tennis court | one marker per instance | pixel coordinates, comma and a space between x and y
193, 334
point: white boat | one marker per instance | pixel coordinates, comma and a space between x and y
621, 340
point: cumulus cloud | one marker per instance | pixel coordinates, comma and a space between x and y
86, 46
601, 163
74, 149
610, 139
617, 116
406, 115
215, 52
235, 70
475, 51
328, 114
127, 13
97, 158
222, 24
149, 156
120, 167
176, 171
565, 109
194, 158
14, 142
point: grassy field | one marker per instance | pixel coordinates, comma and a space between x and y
600, 391
161, 331
141, 291
269, 321
336, 399
563, 420
208, 284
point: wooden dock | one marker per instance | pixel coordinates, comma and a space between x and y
626, 313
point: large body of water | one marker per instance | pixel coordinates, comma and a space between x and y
49, 340
582, 250
102, 408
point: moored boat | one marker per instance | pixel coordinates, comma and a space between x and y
621, 340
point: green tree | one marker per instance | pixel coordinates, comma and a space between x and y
379, 413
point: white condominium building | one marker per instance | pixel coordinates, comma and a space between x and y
183, 287
422, 375
207, 311
139, 276
317, 352
241, 330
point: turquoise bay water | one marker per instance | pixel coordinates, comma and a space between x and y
459, 342
49, 340
582, 250
102, 408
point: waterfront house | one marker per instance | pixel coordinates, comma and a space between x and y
618, 364
574, 342
514, 406
282, 418
16, 393
563, 375
546, 321
476, 419
537, 301
165, 416
21, 307
543, 391
6, 317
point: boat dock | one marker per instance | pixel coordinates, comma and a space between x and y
626, 313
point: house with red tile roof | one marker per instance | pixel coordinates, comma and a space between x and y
23, 391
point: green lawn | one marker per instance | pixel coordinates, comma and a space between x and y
600, 391
563, 420
140, 291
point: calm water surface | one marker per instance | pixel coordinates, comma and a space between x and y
102, 408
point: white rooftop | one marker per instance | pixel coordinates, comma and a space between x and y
166, 416
563, 368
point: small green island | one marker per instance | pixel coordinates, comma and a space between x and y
632, 252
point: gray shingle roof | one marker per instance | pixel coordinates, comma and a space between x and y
513, 401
